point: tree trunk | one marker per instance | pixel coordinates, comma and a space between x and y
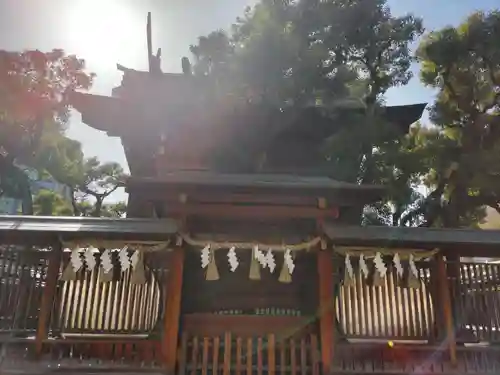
27, 203
98, 207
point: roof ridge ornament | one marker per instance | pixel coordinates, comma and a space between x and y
154, 61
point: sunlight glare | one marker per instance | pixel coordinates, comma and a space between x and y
104, 32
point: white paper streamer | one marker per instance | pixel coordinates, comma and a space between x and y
205, 256
413, 267
124, 259
106, 261
348, 266
380, 265
270, 261
90, 261
289, 261
397, 264
232, 259
363, 266
76, 260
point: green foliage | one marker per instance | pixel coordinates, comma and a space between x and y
33, 110
49, 203
301, 51
90, 180
118, 209
337, 58
336, 54
333, 55
463, 64
97, 182
33, 97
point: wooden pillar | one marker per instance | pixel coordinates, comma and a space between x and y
444, 306
326, 308
173, 308
47, 300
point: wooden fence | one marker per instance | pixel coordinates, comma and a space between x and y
22, 277
88, 306
118, 322
389, 311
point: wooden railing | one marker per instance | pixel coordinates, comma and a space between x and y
370, 358
101, 325
81, 354
129, 334
248, 345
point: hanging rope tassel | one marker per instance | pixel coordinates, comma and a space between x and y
413, 280
105, 277
285, 275
287, 268
69, 273
75, 264
349, 272
377, 279
398, 266
106, 267
212, 273
138, 274
379, 271
254, 266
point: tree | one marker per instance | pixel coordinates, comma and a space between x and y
98, 182
118, 209
33, 110
330, 55
49, 203
463, 64
90, 181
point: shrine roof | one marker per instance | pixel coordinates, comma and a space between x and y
470, 242
264, 180
100, 111
308, 185
15, 229
111, 114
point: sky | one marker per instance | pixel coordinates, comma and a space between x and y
106, 32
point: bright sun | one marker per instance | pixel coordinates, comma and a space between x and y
104, 32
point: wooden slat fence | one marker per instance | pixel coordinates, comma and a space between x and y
389, 311
476, 296
232, 354
376, 359
257, 345
22, 277
88, 306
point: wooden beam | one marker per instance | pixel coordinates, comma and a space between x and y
226, 370
173, 309
149, 42
463, 242
48, 294
249, 198
166, 191
326, 309
445, 307
250, 212
207, 325
271, 354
